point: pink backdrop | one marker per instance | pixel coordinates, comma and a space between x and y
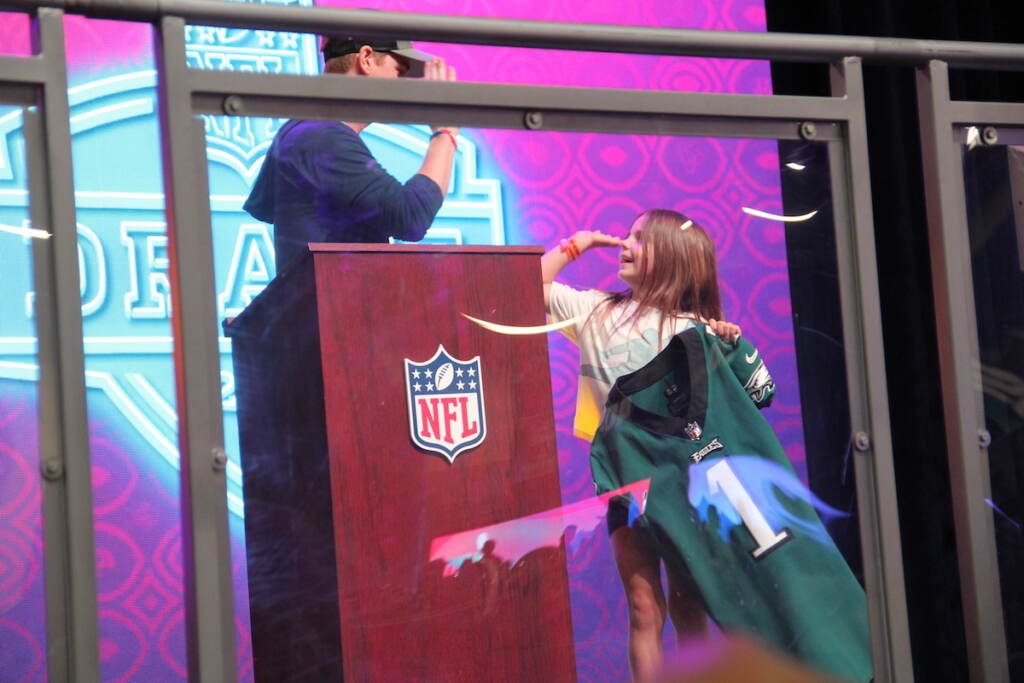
553, 184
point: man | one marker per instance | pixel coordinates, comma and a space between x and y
320, 183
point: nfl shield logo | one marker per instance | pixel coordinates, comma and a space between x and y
446, 404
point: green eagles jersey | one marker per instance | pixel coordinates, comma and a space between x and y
725, 505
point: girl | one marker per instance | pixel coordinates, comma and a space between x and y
672, 395
668, 262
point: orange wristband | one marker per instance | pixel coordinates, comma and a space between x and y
570, 248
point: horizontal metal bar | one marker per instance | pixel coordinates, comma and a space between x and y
791, 47
483, 117
680, 124
18, 94
986, 113
506, 106
1006, 135
396, 91
23, 69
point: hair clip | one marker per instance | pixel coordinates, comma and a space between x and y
686, 225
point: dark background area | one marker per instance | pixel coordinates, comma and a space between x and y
908, 321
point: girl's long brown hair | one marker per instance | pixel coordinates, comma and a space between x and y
680, 276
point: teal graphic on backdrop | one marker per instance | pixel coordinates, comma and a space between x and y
122, 243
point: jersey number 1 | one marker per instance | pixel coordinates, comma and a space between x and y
722, 478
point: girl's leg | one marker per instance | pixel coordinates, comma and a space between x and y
685, 607
640, 570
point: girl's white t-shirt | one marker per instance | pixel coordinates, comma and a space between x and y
611, 345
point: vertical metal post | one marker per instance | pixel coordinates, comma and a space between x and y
209, 604
70, 569
869, 405
953, 289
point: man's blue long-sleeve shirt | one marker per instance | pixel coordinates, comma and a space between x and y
320, 183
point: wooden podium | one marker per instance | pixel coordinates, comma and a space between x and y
341, 505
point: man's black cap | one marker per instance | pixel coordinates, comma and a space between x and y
336, 47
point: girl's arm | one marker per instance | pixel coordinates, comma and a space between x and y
552, 263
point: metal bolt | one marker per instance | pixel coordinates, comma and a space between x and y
861, 441
989, 135
233, 105
533, 120
807, 130
220, 459
984, 438
53, 469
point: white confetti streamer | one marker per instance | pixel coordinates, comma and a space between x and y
777, 217
520, 329
25, 232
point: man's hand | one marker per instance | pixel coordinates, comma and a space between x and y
730, 332
437, 70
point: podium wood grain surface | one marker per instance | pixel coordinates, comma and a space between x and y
341, 506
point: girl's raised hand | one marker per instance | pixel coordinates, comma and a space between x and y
557, 258
585, 239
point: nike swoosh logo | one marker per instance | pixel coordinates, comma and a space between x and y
751, 358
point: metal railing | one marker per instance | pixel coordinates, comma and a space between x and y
795, 47
40, 81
